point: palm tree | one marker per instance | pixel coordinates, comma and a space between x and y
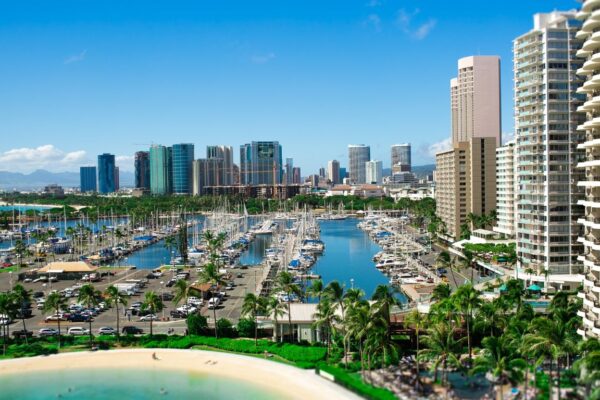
153, 303
335, 293
416, 320
499, 359
443, 349
89, 296
358, 324
252, 306
489, 319
284, 282
182, 291
315, 289
325, 319
275, 308
467, 300
21, 298
6, 306
115, 298
441, 292
170, 244
55, 302
378, 340
210, 274
588, 367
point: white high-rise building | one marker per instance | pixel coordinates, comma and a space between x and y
505, 189
374, 170
333, 171
547, 135
590, 181
358, 155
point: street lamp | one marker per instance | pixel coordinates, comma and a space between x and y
162, 297
10, 279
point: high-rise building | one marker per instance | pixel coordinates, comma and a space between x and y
261, 163
207, 172
183, 157
106, 173
289, 170
547, 138
224, 153
322, 173
333, 171
297, 176
87, 179
343, 174
160, 170
358, 155
505, 189
466, 174
590, 181
374, 172
117, 179
475, 99
142, 170
401, 158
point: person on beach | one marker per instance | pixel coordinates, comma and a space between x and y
154, 356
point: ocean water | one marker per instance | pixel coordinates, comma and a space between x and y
348, 257
115, 383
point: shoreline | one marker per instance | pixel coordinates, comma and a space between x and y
48, 206
283, 380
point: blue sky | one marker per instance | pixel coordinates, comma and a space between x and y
84, 77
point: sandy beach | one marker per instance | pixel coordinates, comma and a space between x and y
3, 203
283, 380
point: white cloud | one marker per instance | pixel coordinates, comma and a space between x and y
440, 146
262, 58
373, 20
48, 157
405, 21
507, 137
125, 163
76, 57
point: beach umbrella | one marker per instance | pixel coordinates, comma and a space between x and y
534, 288
503, 287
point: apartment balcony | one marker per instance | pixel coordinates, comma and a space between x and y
589, 5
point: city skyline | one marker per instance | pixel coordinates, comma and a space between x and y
133, 105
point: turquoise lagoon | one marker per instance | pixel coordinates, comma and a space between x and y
116, 383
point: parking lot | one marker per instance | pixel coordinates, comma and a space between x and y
245, 281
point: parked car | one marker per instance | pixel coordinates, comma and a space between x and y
55, 317
229, 286
22, 334
78, 331
149, 317
107, 330
132, 330
167, 296
213, 303
178, 314
79, 318
194, 301
48, 332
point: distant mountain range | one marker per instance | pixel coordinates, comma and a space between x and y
40, 178
421, 171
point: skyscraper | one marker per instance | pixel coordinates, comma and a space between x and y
160, 178
261, 163
297, 176
343, 174
183, 157
590, 237
106, 173
289, 170
475, 99
547, 152
142, 170
117, 179
207, 172
87, 179
374, 172
401, 158
224, 153
466, 174
358, 155
333, 171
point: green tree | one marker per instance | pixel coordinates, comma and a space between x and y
284, 282
499, 358
196, 324
22, 298
251, 307
326, 319
416, 321
89, 296
443, 349
441, 292
154, 304
467, 300
315, 289
55, 302
210, 274
115, 298
275, 309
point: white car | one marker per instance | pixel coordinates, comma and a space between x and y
188, 309
48, 332
78, 331
106, 330
213, 303
149, 317
194, 301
